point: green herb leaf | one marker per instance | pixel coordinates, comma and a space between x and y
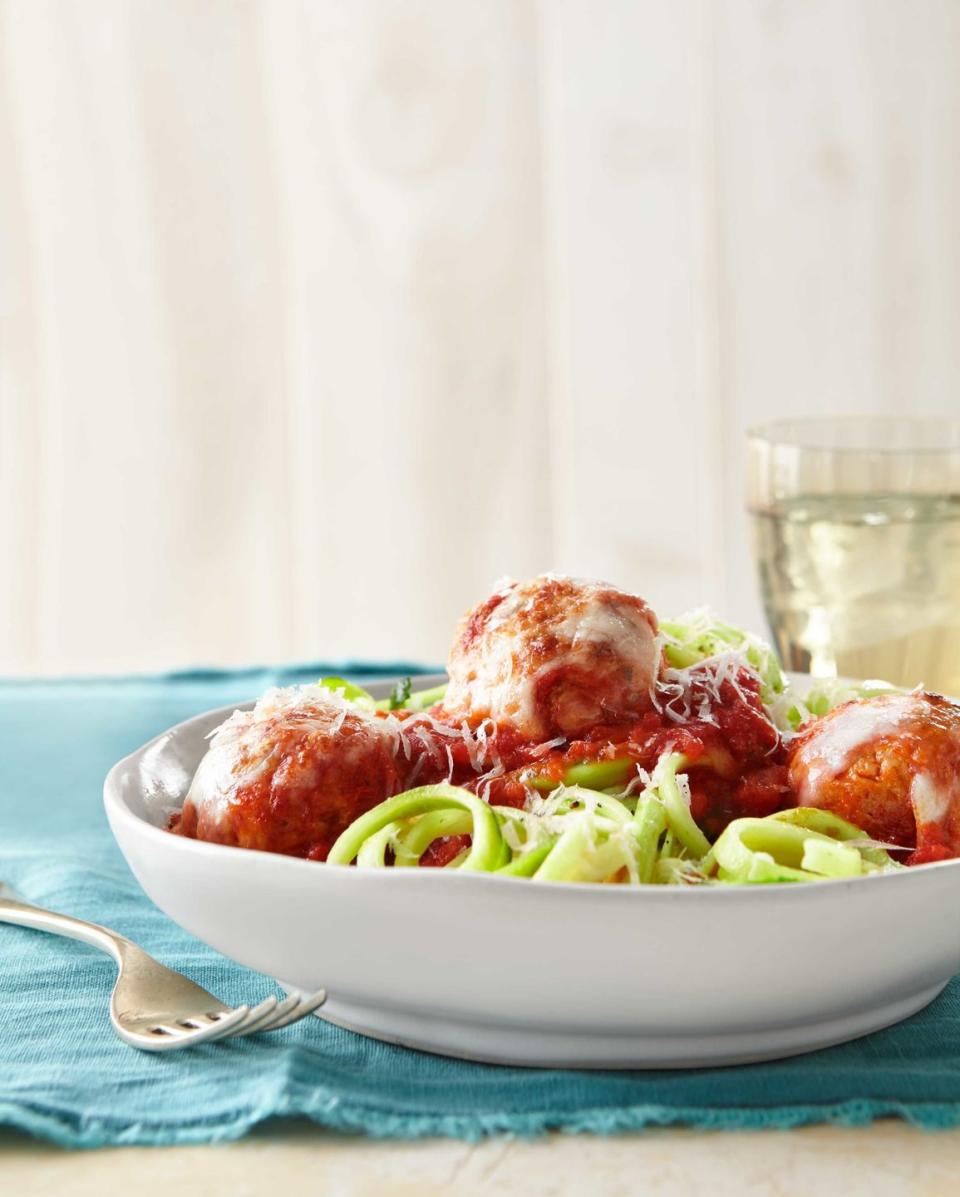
349, 691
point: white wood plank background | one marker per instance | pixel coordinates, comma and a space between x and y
316, 318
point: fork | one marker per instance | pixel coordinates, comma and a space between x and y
152, 1007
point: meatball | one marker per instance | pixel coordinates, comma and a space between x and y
554, 657
291, 774
889, 764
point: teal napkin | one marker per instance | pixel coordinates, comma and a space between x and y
65, 1076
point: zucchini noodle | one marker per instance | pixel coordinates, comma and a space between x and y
488, 850
699, 635
583, 835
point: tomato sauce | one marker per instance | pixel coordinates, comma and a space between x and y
736, 762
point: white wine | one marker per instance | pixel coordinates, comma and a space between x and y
862, 585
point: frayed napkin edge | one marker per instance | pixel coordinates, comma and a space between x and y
59, 1128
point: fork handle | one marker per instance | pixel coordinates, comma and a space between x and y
23, 914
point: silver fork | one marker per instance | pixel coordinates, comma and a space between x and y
152, 1007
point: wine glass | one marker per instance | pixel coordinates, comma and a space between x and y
856, 523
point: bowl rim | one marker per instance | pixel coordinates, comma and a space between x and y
118, 812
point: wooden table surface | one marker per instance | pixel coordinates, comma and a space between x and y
887, 1158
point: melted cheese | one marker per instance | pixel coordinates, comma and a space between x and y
602, 623
930, 802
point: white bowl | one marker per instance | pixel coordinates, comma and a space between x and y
552, 974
